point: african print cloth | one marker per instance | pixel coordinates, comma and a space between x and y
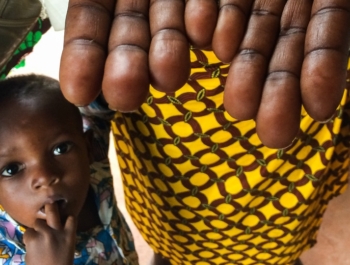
109, 243
203, 190
26, 47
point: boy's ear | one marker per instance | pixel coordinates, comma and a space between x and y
89, 138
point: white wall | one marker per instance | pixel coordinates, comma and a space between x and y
45, 58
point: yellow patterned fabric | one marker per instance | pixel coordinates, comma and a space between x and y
201, 187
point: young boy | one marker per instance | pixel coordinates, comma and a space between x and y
56, 193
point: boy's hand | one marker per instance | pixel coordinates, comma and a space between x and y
49, 242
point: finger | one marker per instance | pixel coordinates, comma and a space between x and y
126, 80
242, 95
53, 219
71, 224
41, 227
200, 22
169, 56
276, 126
326, 48
70, 227
278, 118
28, 235
85, 47
127, 88
230, 28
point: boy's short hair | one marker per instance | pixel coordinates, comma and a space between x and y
24, 86
20, 88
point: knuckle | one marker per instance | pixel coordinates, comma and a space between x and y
134, 14
282, 75
264, 12
289, 31
233, 6
90, 7
332, 9
250, 54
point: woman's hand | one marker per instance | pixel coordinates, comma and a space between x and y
283, 54
292, 53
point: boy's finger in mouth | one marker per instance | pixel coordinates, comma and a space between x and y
60, 203
53, 210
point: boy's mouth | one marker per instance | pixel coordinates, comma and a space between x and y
61, 203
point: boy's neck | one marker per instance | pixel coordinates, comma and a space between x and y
88, 217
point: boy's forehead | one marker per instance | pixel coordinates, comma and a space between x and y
47, 106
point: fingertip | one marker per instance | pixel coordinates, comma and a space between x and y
169, 54
81, 73
169, 60
228, 34
322, 88
53, 219
126, 81
242, 94
71, 219
278, 131
71, 223
278, 118
275, 139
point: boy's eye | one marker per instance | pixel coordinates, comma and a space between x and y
62, 148
12, 169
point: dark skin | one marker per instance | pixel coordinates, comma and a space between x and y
281, 46
56, 241
159, 260
45, 154
56, 238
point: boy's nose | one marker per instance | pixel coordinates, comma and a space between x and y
44, 175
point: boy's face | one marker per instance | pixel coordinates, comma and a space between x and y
43, 159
